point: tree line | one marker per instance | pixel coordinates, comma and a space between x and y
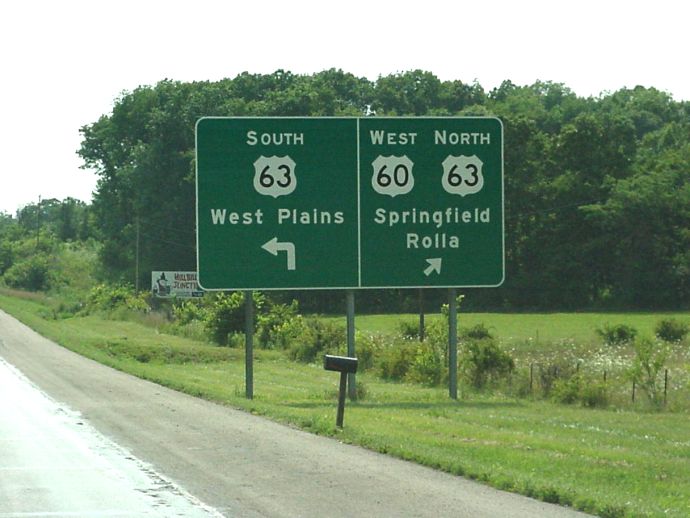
597, 189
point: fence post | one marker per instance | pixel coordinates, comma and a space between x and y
531, 377
665, 384
633, 394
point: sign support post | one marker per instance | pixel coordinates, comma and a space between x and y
350, 301
452, 344
249, 343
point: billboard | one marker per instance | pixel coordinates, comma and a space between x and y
175, 284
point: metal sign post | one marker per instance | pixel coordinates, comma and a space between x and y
249, 344
352, 387
452, 344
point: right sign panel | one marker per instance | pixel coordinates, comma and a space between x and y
431, 202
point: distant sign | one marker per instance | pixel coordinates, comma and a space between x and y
175, 284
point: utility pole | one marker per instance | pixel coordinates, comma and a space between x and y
136, 266
38, 221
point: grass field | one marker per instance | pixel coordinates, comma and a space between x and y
607, 462
540, 328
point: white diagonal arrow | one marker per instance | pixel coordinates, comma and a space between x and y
274, 246
434, 266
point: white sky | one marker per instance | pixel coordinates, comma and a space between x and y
62, 63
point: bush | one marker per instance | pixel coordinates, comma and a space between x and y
428, 365
314, 337
112, 298
618, 334
649, 359
275, 329
577, 388
32, 274
594, 394
395, 359
188, 311
226, 314
566, 390
553, 374
482, 360
671, 330
408, 329
368, 348
476, 332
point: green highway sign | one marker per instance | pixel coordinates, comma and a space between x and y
276, 203
431, 202
308, 203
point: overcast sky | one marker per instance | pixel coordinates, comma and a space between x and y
64, 62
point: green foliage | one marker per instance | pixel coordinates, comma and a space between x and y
408, 329
6, 256
368, 346
445, 309
428, 365
483, 360
650, 358
579, 389
275, 329
618, 334
188, 317
111, 298
186, 311
476, 332
671, 330
315, 338
33, 273
552, 373
395, 358
226, 315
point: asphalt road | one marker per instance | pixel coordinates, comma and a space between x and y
238, 464
54, 464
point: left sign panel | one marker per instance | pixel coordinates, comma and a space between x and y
276, 203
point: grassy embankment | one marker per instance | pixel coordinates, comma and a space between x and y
611, 463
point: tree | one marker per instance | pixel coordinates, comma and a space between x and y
646, 221
595, 189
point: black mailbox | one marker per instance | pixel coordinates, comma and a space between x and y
344, 365
340, 363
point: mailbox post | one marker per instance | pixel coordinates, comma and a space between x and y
344, 365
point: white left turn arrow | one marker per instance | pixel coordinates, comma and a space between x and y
274, 246
434, 266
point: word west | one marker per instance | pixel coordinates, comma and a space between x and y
380, 137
